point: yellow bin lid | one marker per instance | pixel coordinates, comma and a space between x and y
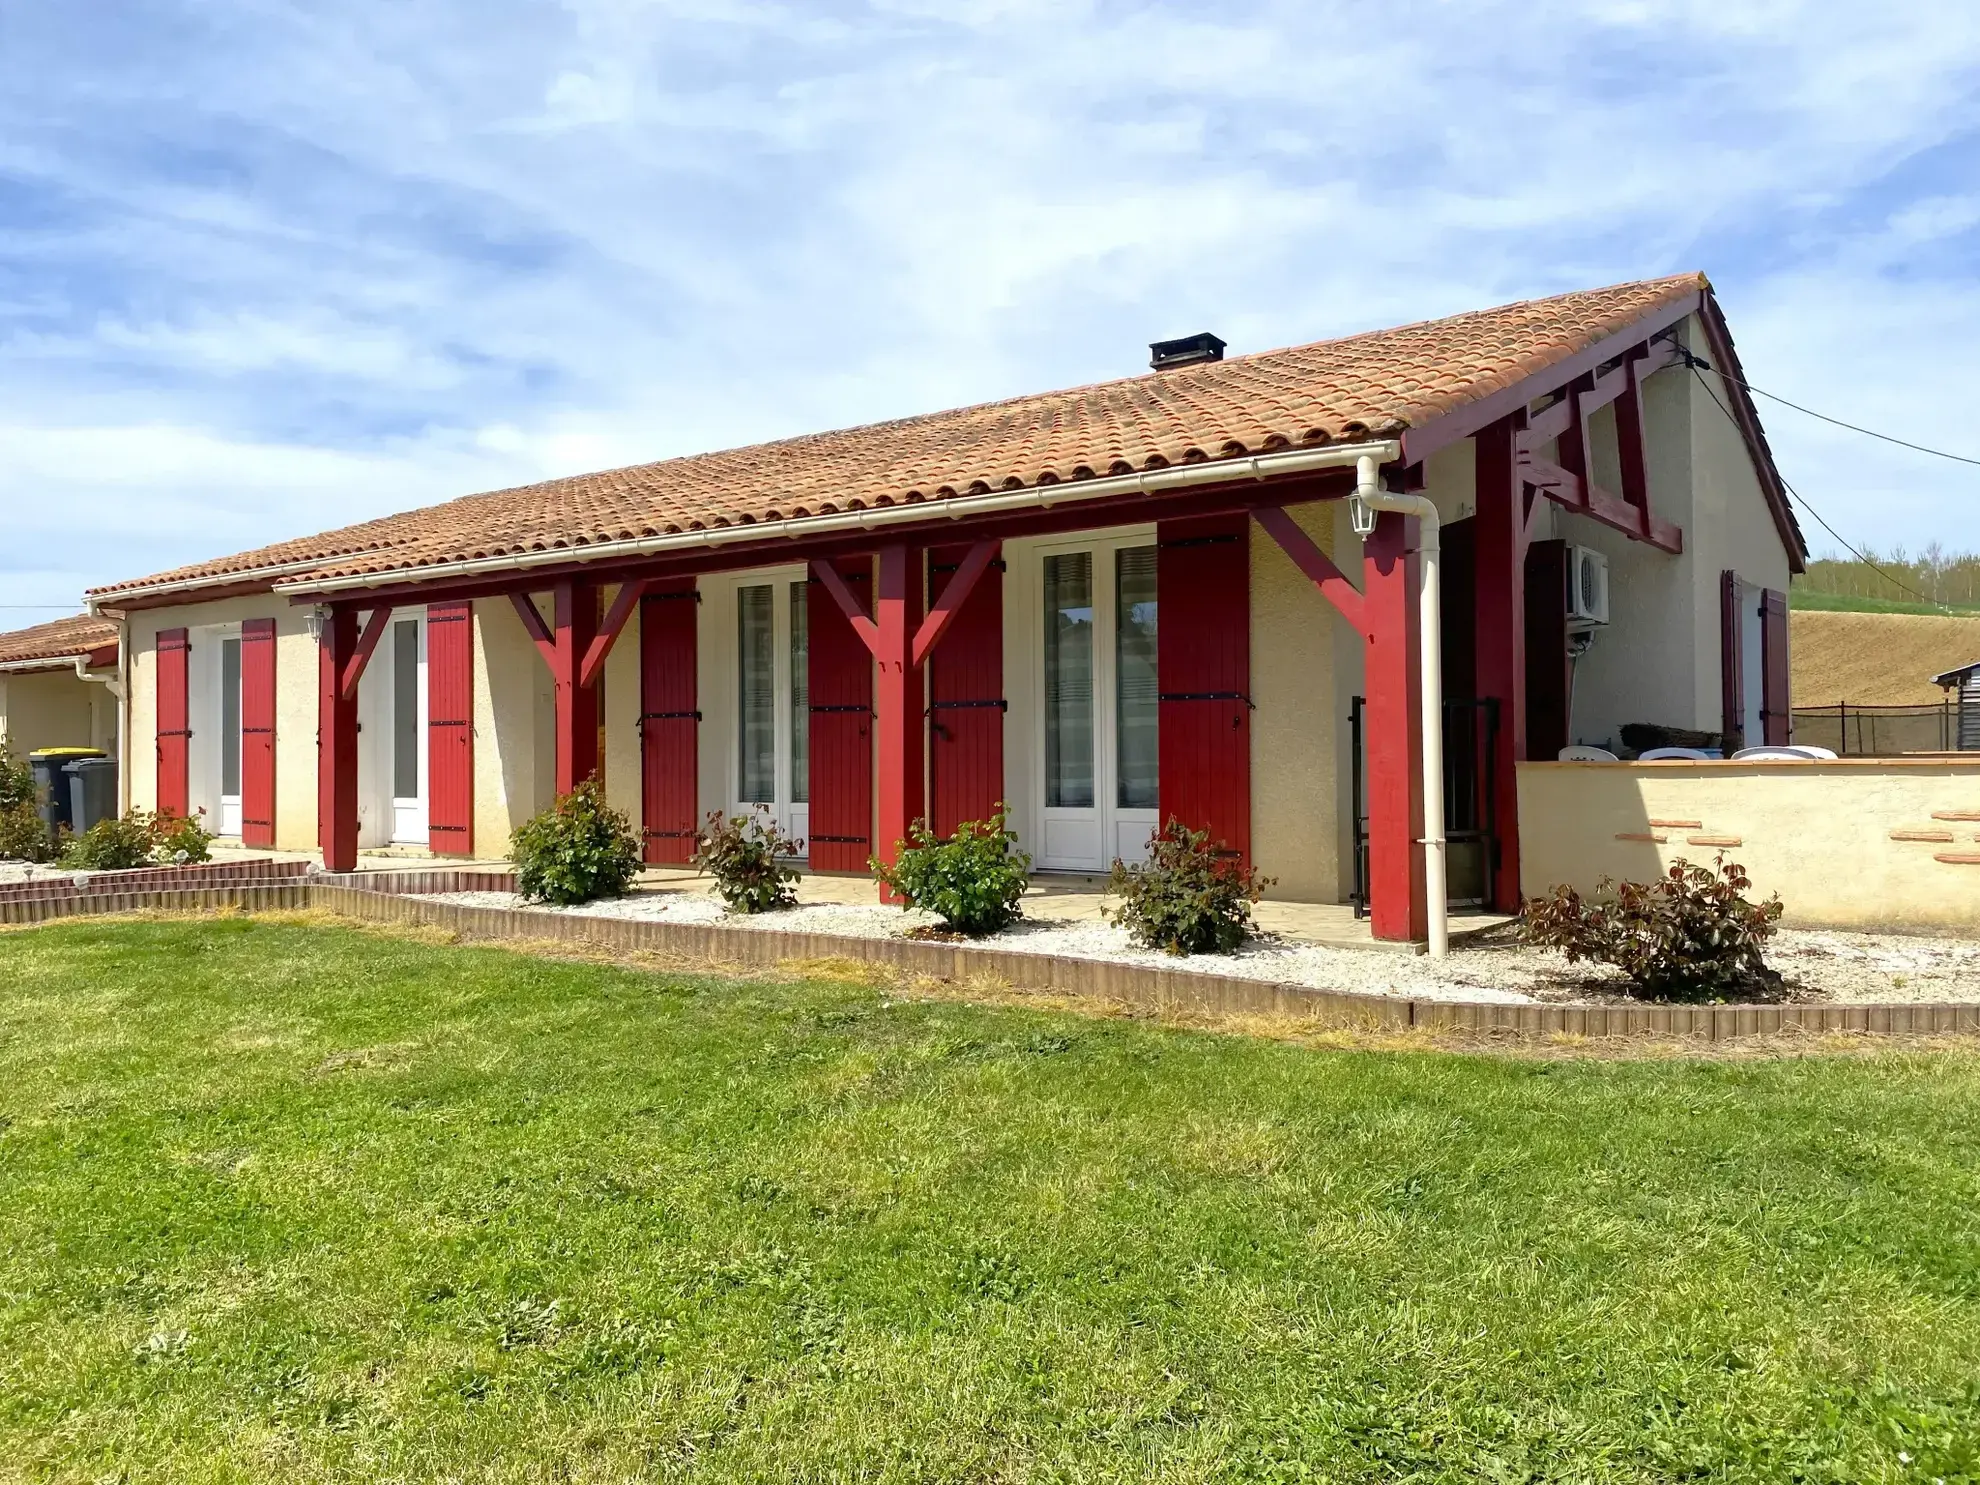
68, 753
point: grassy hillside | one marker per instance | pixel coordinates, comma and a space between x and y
1876, 659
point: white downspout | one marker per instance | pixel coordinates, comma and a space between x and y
1369, 491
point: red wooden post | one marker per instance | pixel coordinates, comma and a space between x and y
1499, 645
898, 719
577, 704
337, 742
1398, 904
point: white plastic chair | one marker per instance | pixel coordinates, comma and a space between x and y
1581, 753
1812, 751
1773, 755
1695, 755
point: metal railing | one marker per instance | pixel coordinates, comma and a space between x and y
1471, 742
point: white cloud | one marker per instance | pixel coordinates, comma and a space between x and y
294, 268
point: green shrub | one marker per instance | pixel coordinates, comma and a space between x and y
23, 833
1689, 935
742, 853
111, 845
180, 840
16, 777
1188, 897
973, 881
577, 850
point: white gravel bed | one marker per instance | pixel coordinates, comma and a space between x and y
1822, 965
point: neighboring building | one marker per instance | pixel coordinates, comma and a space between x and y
57, 685
1105, 606
1963, 686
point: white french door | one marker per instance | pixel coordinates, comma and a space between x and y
392, 737
765, 702
1095, 699
408, 762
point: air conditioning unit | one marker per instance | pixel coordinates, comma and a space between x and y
1588, 587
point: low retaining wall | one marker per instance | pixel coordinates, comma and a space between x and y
152, 879
1854, 843
1096, 979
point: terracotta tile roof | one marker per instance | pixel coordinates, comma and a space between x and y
1370, 385
57, 640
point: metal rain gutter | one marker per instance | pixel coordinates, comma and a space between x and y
956, 508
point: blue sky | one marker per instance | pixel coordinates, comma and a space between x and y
269, 268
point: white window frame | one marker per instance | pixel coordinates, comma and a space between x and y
720, 700
385, 819
1065, 838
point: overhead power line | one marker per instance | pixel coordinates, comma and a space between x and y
1695, 361
1801, 500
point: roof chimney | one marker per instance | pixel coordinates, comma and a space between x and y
1166, 355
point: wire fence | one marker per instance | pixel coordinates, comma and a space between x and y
1852, 731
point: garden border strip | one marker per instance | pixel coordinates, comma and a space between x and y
1097, 979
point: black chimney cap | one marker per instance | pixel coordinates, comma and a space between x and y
1164, 354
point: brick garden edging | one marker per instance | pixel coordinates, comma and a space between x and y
1097, 979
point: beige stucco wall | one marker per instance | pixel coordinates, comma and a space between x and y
514, 761
295, 705
622, 778
1820, 834
56, 709
1296, 737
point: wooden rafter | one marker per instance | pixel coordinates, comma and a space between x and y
374, 630
863, 626
1569, 480
1318, 567
608, 634
539, 632
955, 593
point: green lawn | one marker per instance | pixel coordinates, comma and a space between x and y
284, 1202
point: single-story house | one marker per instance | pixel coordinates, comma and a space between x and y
1964, 684
1104, 607
58, 685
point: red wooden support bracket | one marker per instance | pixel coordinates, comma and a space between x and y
374, 630
538, 631
954, 595
1316, 564
865, 628
623, 608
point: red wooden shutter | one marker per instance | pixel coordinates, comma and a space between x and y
174, 721
1732, 689
450, 728
668, 724
1203, 670
1547, 664
840, 674
966, 703
257, 732
1776, 710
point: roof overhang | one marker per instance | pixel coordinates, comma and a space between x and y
1113, 488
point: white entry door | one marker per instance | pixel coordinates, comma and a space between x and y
1095, 700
